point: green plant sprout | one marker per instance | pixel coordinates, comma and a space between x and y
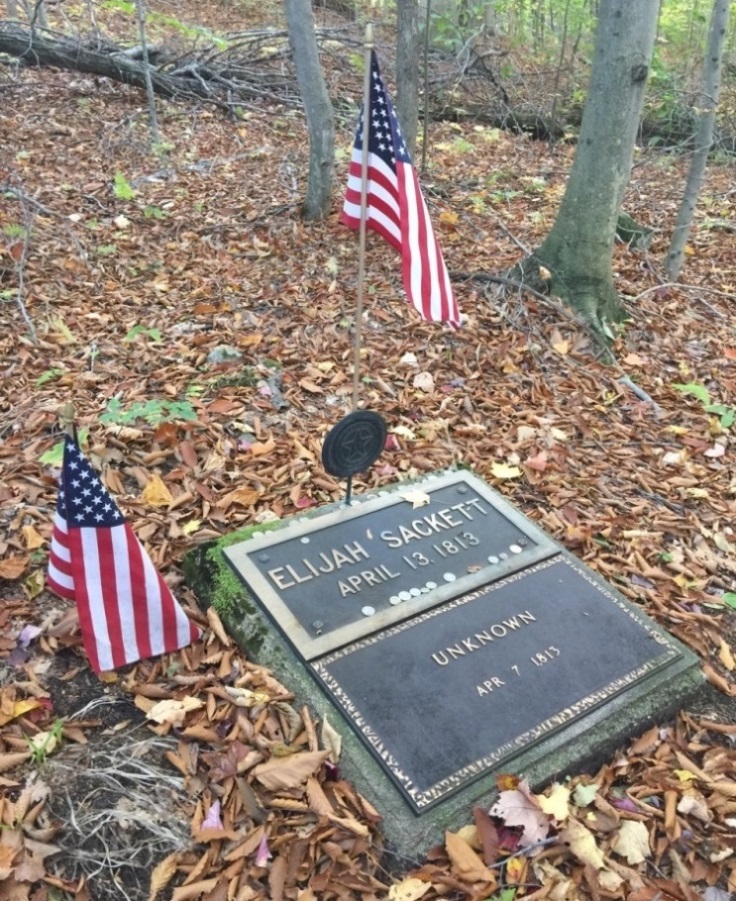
153, 333
13, 230
122, 187
55, 455
48, 376
154, 212
154, 412
726, 414
40, 751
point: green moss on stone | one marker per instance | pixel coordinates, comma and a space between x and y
212, 578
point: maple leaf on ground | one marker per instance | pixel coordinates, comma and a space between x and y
521, 808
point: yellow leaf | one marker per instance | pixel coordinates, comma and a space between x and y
18, 709
331, 740
582, 844
504, 471
161, 875
189, 528
156, 493
43, 742
726, 657
409, 889
173, 711
558, 434
560, 344
677, 429
544, 273
556, 805
246, 697
449, 218
416, 498
31, 538
609, 881
35, 583
632, 842
684, 775
465, 862
66, 336
689, 250
516, 870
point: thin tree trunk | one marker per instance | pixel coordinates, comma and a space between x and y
575, 259
560, 64
39, 15
706, 105
407, 70
317, 106
152, 117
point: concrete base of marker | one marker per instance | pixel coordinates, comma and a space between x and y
585, 743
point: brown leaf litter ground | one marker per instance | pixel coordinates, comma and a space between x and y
229, 796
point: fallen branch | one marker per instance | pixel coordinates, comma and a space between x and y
196, 80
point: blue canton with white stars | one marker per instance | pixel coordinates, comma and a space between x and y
385, 139
83, 502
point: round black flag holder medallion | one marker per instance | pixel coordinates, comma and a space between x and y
353, 444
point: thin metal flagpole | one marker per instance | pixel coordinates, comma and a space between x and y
368, 46
67, 417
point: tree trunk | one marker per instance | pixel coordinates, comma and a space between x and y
152, 117
407, 70
706, 105
578, 250
317, 105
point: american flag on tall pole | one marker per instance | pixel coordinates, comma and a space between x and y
395, 206
126, 610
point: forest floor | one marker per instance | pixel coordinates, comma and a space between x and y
133, 301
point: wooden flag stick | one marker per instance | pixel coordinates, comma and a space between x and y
66, 417
368, 46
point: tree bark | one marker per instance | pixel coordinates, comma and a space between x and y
407, 71
152, 117
65, 53
317, 105
706, 105
196, 78
577, 253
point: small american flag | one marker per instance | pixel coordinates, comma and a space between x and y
126, 610
396, 208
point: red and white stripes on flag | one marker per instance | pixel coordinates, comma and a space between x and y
395, 207
126, 610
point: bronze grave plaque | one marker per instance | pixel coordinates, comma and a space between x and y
446, 696
339, 576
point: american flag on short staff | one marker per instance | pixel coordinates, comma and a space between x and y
126, 610
396, 208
